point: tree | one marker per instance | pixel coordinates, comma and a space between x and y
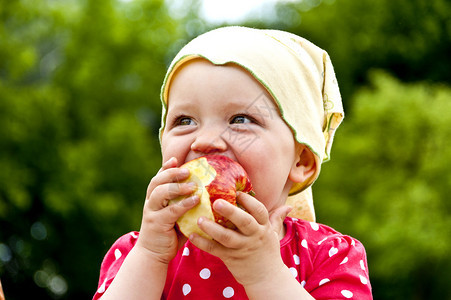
79, 118
388, 185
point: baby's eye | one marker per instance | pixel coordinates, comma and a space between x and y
240, 119
184, 121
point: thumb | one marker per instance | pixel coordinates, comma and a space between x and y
276, 217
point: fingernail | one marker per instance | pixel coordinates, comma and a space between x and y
189, 201
200, 220
184, 171
219, 205
192, 184
193, 200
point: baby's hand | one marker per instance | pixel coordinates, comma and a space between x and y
252, 253
157, 233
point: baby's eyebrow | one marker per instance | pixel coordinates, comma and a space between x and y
263, 105
238, 104
181, 106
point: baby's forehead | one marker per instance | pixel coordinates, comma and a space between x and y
229, 83
262, 105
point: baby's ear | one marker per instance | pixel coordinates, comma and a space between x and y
304, 166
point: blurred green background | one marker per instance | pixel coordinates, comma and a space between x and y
79, 118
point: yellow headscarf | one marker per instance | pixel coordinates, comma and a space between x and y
298, 75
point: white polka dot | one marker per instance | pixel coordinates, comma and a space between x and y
320, 242
294, 219
101, 289
134, 235
294, 272
185, 251
205, 273
325, 280
303, 283
117, 254
363, 279
297, 260
304, 244
186, 289
347, 294
345, 260
333, 251
228, 292
353, 242
314, 226
362, 265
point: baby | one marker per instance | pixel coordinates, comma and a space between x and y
270, 101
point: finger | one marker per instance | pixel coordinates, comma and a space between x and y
254, 207
167, 176
207, 245
170, 163
174, 211
224, 236
245, 222
164, 193
278, 216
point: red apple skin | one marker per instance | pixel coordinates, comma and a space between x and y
230, 178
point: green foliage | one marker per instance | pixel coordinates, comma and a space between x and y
79, 118
388, 185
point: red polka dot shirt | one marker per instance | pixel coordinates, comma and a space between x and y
327, 264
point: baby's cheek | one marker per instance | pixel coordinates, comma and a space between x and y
268, 190
168, 148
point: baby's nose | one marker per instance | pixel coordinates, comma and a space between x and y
209, 141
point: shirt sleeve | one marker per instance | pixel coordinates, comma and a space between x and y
113, 261
340, 270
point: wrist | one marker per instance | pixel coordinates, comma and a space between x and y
265, 279
156, 259
280, 284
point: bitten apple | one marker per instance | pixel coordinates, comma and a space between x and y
217, 177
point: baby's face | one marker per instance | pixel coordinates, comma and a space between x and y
224, 110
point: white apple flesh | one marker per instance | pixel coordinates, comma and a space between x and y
217, 177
